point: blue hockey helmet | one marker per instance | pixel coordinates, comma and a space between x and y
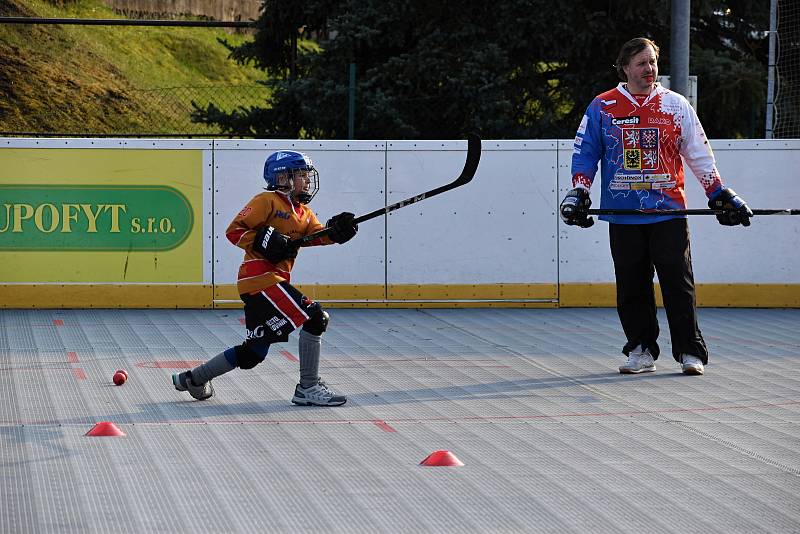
292, 173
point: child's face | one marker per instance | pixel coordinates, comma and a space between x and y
301, 182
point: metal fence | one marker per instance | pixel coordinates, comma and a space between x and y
165, 111
787, 95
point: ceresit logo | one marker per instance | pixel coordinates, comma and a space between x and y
617, 121
91, 218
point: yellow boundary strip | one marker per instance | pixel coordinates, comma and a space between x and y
106, 296
708, 295
380, 296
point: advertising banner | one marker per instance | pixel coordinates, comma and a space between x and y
101, 216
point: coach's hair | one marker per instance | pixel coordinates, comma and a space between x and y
630, 49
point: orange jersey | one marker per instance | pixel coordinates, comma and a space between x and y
269, 209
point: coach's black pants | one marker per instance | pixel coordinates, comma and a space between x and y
637, 249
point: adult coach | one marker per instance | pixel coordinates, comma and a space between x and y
639, 131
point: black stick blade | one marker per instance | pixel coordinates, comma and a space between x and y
473, 159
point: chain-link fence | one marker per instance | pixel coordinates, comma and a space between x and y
787, 80
176, 106
163, 111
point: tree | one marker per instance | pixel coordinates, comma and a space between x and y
509, 69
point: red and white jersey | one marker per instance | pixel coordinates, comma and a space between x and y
273, 209
639, 141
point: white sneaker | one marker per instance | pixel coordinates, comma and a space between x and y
691, 365
639, 361
318, 395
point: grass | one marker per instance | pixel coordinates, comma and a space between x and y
114, 79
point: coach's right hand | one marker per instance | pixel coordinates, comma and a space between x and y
575, 208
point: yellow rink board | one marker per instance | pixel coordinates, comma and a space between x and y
380, 296
109, 216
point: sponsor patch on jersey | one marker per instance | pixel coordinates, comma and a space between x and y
619, 186
245, 211
664, 185
640, 185
657, 177
582, 127
282, 214
625, 121
666, 121
628, 177
578, 140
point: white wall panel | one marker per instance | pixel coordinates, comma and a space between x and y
584, 256
499, 228
765, 174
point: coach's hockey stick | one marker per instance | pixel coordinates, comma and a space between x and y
471, 165
688, 212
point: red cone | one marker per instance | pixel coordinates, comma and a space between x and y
105, 428
442, 459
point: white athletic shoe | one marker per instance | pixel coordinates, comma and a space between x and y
183, 382
639, 361
317, 395
691, 365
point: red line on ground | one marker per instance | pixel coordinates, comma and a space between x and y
72, 357
289, 356
463, 364
383, 425
194, 422
58, 322
79, 374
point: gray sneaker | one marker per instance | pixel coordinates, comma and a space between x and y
183, 382
317, 395
639, 361
691, 365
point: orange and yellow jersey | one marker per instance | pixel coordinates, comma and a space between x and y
269, 209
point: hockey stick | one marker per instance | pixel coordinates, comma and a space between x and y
471, 165
688, 212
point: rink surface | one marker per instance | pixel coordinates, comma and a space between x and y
553, 438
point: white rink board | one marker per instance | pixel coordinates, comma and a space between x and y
499, 228
352, 178
763, 172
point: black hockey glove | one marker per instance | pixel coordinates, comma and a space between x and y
342, 228
273, 245
734, 208
575, 208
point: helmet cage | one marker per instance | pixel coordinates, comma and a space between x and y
293, 174
299, 184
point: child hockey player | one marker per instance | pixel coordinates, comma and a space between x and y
274, 308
